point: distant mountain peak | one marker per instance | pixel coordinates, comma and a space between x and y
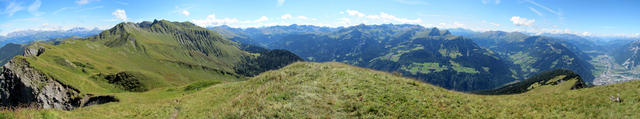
445, 33
434, 32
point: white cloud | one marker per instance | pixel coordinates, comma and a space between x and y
291, 17
41, 24
387, 18
518, 21
12, 8
120, 14
286, 16
212, 20
186, 13
544, 7
303, 17
458, 24
494, 24
33, 8
490, 1
83, 2
344, 22
261, 19
357, 17
355, 13
536, 11
280, 2
455, 24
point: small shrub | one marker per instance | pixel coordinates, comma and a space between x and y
129, 81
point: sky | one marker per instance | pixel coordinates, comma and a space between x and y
582, 17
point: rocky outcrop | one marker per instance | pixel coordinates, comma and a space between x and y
22, 85
34, 50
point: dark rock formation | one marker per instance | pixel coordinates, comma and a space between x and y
21, 84
24, 86
35, 50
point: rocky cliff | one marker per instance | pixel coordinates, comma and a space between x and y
21, 85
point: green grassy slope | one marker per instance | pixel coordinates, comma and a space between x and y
547, 78
334, 90
159, 53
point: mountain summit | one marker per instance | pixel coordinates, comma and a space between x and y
129, 57
428, 54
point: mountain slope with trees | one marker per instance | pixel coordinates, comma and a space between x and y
430, 55
335, 90
534, 54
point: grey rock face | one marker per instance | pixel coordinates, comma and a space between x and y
34, 51
22, 85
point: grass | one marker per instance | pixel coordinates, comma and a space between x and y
158, 58
334, 90
200, 85
185, 79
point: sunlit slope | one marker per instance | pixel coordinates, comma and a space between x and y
427, 54
334, 90
157, 54
553, 78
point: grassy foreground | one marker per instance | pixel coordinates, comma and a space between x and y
334, 90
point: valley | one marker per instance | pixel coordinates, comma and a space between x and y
319, 59
197, 79
608, 72
336, 90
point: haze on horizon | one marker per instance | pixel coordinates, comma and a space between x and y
586, 18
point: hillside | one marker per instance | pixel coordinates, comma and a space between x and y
628, 55
130, 57
8, 51
335, 90
551, 78
534, 54
429, 54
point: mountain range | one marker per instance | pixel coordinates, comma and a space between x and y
130, 57
476, 60
26, 36
533, 54
163, 69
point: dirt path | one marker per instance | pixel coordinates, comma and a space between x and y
176, 111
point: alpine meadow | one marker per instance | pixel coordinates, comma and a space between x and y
195, 59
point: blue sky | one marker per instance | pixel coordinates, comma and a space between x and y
583, 17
